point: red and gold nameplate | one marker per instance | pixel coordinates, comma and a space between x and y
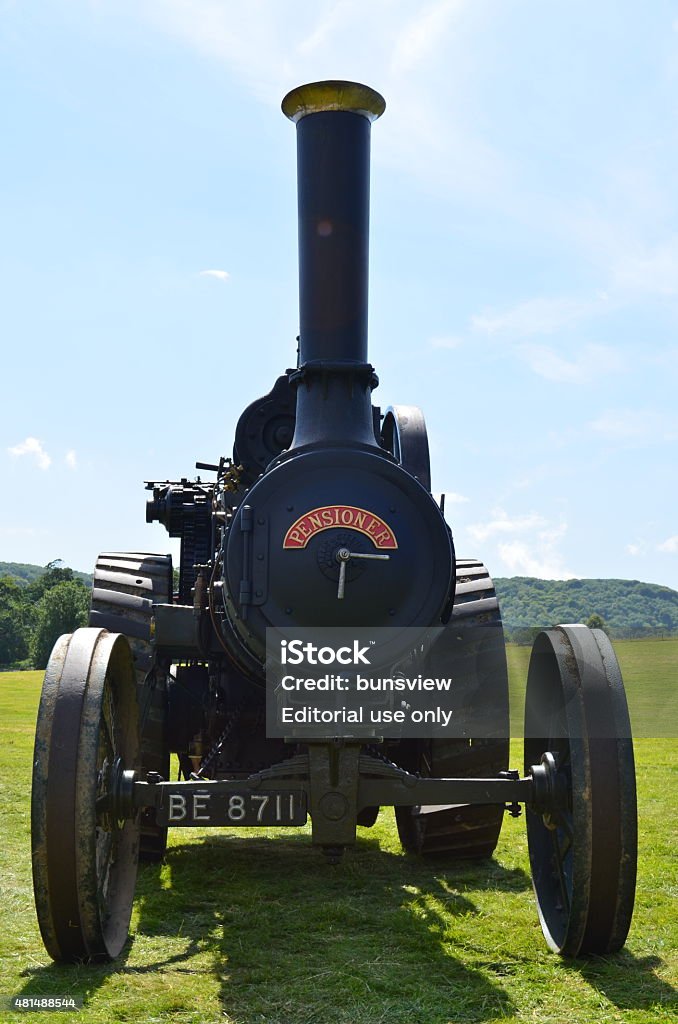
347, 516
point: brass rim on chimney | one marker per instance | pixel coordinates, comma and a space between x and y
317, 97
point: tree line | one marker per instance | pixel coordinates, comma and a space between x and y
38, 604
626, 609
34, 614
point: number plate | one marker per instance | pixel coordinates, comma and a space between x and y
202, 807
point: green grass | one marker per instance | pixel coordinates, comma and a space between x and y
650, 672
249, 927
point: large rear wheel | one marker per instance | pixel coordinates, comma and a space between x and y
471, 649
126, 586
403, 434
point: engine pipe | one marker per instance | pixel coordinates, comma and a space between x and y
334, 380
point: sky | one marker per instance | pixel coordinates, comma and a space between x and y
523, 260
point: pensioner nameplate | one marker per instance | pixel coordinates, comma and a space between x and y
246, 809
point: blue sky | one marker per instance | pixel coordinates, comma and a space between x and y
524, 260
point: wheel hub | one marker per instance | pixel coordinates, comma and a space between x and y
550, 787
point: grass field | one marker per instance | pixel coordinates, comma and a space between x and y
650, 671
249, 927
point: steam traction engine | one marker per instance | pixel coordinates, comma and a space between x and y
321, 524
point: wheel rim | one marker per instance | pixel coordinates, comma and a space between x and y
583, 845
84, 860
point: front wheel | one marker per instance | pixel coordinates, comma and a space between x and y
84, 855
582, 837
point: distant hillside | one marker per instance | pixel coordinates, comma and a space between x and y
25, 573
629, 608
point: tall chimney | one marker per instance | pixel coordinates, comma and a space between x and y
334, 379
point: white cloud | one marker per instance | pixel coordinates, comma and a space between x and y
421, 35
220, 275
538, 316
592, 363
622, 424
524, 560
670, 546
71, 460
649, 269
502, 524
32, 447
664, 357
21, 532
536, 556
636, 425
552, 533
446, 341
325, 28
634, 549
629, 242
250, 38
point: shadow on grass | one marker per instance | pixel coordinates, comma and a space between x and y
294, 939
628, 981
366, 940
81, 980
